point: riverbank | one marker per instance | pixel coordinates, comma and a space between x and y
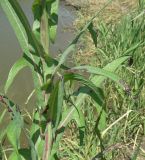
117, 35
112, 14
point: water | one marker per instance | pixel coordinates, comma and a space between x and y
10, 51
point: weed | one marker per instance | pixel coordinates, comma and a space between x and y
74, 116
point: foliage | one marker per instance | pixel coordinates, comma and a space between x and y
58, 103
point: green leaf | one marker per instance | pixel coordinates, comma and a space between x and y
133, 48
56, 102
44, 27
16, 124
37, 11
93, 91
14, 131
35, 128
79, 117
14, 156
97, 80
112, 67
59, 102
16, 24
66, 117
25, 153
53, 21
4, 130
93, 33
39, 145
2, 115
19, 65
34, 155
21, 26
98, 71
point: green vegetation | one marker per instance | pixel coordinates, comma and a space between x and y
85, 112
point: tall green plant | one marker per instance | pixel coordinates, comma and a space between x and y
51, 78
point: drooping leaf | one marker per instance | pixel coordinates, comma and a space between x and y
19, 65
98, 71
93, 90
93, 33
112, 67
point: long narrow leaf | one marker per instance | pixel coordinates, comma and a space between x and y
19, 65
98, 71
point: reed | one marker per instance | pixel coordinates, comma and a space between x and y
60, 108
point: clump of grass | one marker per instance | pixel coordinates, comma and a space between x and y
123, 140
60, 91
79, 113
111, 15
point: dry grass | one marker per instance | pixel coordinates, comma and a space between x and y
116, 9
112, 14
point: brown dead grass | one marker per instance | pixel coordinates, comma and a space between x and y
116, 8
